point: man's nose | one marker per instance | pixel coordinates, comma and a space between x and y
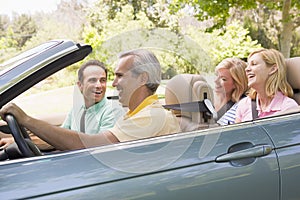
98, 83
114, 83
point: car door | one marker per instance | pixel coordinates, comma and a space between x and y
232, 162
285, 132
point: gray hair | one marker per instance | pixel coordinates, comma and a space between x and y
145, 61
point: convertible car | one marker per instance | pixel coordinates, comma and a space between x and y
258, 159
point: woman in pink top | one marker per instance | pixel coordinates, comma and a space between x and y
266, 73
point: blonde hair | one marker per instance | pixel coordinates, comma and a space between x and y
236, 68
276, 81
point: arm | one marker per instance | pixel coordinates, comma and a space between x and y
60, 138
65, 139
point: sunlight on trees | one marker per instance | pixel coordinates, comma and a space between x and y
187, 36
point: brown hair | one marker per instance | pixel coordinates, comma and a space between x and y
90, 63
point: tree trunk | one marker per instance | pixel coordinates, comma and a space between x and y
287, 29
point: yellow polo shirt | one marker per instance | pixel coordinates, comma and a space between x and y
149, 119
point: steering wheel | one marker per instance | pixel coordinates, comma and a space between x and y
22, 139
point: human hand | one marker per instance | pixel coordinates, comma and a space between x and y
5, 142
13, 109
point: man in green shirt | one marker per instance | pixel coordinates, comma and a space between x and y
99, 112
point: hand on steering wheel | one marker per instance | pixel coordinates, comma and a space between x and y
22, 139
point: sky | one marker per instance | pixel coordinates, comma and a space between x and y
27, 6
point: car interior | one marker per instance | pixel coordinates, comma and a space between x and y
293, 76
185, 88
180, 90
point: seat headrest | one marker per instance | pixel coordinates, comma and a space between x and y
293, 72
179, 89
184, 88
293, 75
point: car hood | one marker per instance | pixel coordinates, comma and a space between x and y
28, 68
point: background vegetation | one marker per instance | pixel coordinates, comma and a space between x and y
188, 36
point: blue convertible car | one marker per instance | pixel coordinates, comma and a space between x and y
258, 159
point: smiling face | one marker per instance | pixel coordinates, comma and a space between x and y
93, 86
125, 82
224, 83
257, 72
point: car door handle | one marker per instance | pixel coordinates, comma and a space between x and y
256, 151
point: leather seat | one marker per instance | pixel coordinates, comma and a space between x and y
293, 76
185, 88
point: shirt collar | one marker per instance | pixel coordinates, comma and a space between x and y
275, 104
148, 101
96, 106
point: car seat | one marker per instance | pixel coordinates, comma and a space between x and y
293, 76
186, 88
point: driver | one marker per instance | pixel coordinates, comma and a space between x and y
137, 76
100, 113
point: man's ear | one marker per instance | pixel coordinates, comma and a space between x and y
144, 78
79, 86
274, 69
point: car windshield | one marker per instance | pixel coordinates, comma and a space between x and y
6, 66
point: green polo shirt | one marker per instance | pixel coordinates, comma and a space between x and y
101, 116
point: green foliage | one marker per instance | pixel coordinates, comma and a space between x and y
182, 46
4, 23
122, 22
52, 29
126, 31
220, 11
24, 28
8, 41
7, 46
234, 42
216, 10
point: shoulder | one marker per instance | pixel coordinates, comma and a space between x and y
289, 102
246, 101
285, 100
154, 110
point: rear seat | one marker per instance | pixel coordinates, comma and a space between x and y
185, 88
293, 76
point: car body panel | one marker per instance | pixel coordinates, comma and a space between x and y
168, 167
285, 133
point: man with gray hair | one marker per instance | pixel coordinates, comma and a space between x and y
137, 76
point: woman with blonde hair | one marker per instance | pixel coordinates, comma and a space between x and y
270, 92
230, 87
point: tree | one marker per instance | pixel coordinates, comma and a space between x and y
233, 41
182, 48
220, 10
129, 30
24, 29
65, 22
4, 23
